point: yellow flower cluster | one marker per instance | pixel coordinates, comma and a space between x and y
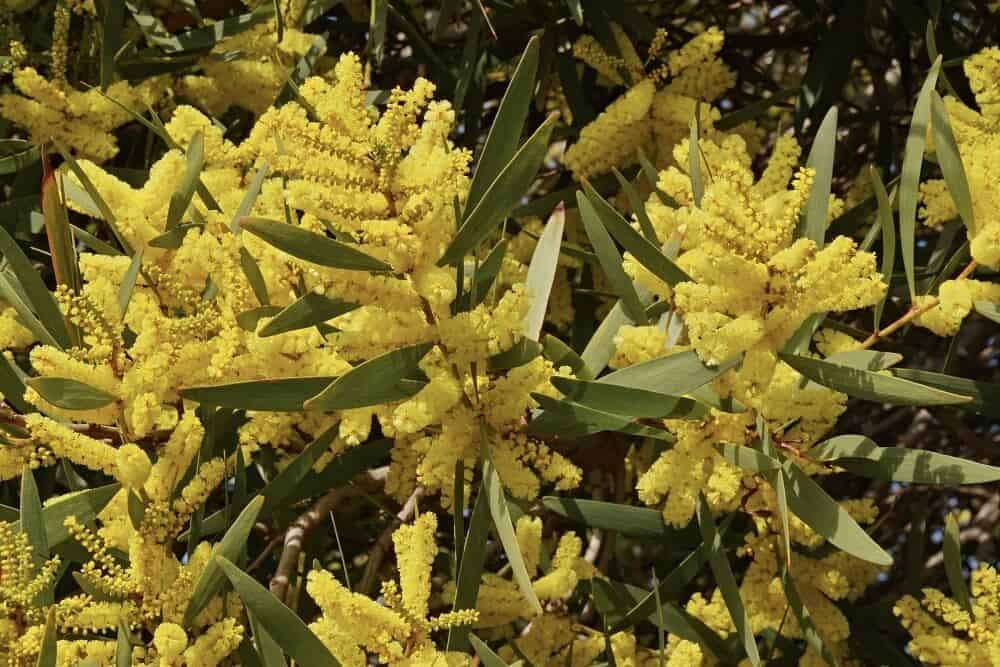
977, 134
655, 112
945, 633
355, 627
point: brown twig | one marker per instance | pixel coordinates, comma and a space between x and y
913, 313
384, 541
96, 431
296, 535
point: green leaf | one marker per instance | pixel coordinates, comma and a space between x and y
309, 310
267, 649
250, 196
521, 353
283, 624
393, 376
950, 161
747, 458
651, 174
123, 648
809, 630
638, 208
12, 385
725, 580
251, 269
70, 394
11, 294
676, 374
180, 200
985, 396
229, 547
867, 360
128, 283
567, 419
172, 239
40, 299
485, 653
542, 271
888, 240
642, 250
810, 502
61, 246
17, 154
601, 345
33, 525
870, 385
670, 587
376, 30
611, 260
48, 651
990, 311
502, 195
271, 395
909, 182
470, 570
629, 402
312, 247
861, 456
952, 547
285, 482
561, 354
112, 18
505, 133
638, 522
84, 505
493, 489
821, 160
96, 201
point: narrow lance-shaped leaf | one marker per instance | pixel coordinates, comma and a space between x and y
250, 196
97, 200
642, 250
638, 207
486, 655
952, 548
676, 374
390, 377
84, 505
272, 395
639, 522
990, 311
70, 394
48, 651
180, 200
542, 271
128, 283
888, 239
32, 521
309, 310
821, 161
35, 290
810, 502
950, 161
470, 570
312, 247
611, 260
809, 630
859, 455
870, 385
123, 647
776, 479
60, 236
283, 624
502, 195
505, 133
909, 183
725, 580
493, 488
229, 547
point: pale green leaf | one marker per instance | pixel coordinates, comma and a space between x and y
393, 376
70, 394
309, 310
271, 395
542, 272
312, 247
821, 161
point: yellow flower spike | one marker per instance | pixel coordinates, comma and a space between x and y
132, 465
170, 640
415, 552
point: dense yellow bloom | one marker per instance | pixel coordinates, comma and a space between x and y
977, 134
353, 625
943, 631
957, 299
83, 120
654, 113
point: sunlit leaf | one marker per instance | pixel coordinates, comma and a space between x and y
390, 377
312, 247
70, 394
542, 271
